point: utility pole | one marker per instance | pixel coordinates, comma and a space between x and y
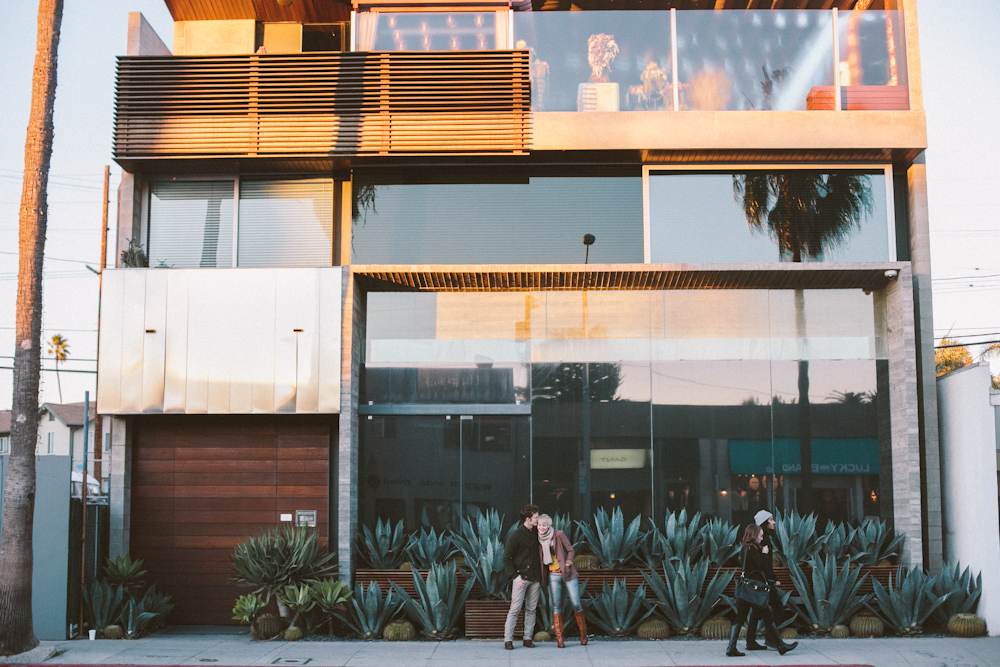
83, 503
98, 422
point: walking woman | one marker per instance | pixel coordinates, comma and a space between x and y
756, 563
557, 569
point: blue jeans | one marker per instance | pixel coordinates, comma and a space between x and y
572, 587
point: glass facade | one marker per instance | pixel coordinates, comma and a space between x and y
499, 218
710, 400
768, 216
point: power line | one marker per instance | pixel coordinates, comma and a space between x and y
52, 370
54, 259
982, 342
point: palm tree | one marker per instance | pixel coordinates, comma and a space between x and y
58, 348
806, 213
16, 628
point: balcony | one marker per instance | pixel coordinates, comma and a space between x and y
314, 106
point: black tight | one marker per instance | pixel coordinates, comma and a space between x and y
743, 610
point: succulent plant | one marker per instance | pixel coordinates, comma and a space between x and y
832, 597
268, 626
586, 562
718, 542
484, 564
113, 631
906, 603
650, 552
836, 541
428, 548
610, 540
840, 632
679, 597
616, 611
867, 625
329, 596
293, 633
367, 612
399, 631
104, 603
406, 566
542, 636
439, 601
299, 600
789, 633
716, 628
874, 543
247, 609
962, 590
795, 537
385, 548
681, 537
281, 557
653, 628
125, 572
966, 625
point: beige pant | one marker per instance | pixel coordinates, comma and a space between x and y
528, 596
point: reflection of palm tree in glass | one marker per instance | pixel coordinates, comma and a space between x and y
806, 212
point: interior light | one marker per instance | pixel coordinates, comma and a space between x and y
725, 493
612, 496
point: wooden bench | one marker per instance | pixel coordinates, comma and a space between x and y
859, 98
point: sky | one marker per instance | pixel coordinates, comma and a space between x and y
960, 60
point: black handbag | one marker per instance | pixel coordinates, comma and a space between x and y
750, 590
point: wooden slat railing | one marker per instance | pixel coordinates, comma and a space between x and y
322, 105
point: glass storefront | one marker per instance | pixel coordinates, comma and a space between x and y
718, 401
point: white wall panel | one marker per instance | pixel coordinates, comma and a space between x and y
221, 341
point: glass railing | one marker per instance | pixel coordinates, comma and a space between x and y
784, 60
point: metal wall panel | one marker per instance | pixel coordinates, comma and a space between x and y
232, 341
109, 377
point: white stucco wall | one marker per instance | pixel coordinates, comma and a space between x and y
969, 481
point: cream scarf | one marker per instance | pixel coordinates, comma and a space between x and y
545, 539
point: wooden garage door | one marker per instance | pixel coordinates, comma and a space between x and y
202, 483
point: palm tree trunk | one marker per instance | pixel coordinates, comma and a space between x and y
58, 381
16, 628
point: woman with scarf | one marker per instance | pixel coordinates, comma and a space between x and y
557, 569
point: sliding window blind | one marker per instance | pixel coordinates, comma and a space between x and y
286, 223
191, 224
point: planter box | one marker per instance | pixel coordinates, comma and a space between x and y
859, 98
484, 619
404, 578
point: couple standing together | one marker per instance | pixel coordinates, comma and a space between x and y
537, 554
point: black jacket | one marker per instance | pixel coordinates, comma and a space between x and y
520, 555
757, 563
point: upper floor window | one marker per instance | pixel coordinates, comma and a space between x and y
5, 444
794, 215
432, 31
241, 222
107, 442
50, 443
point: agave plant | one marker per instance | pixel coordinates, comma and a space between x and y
478, 532
299, 600
135, 617
832, 597
651, 551
104, 603
961, 589
565, 524
616, 611
837, 541
609, 540
796, 537
487, 570
385, 549
247, 609
439, 601
279, 558
907, 603
718, 542
681, 538
330, 596
125, 572
873, 542
368, 612
157, 603
429, 548
679, 595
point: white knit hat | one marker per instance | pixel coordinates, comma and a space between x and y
761, 517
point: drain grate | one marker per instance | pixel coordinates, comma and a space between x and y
291, 661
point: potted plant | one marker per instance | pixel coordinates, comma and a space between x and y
599, 94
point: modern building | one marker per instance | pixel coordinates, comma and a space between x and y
413, 259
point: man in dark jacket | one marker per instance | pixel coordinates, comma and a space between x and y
522, 559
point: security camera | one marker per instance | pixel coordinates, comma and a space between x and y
891, 274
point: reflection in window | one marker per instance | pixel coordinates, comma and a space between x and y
424, 31
768, 216
513, 219
191, 224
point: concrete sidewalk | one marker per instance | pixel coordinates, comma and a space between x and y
232, 646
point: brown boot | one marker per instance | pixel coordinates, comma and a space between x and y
557, 622
581, 622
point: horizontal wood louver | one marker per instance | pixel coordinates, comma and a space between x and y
328, 104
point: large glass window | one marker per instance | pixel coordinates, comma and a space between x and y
514, 218
719, 401
279, 223
431, 31
768, 216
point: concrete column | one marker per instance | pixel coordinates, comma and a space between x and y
354, 304
121, 485
969, 482
142, 39
920, 259
129, 213
906, 472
